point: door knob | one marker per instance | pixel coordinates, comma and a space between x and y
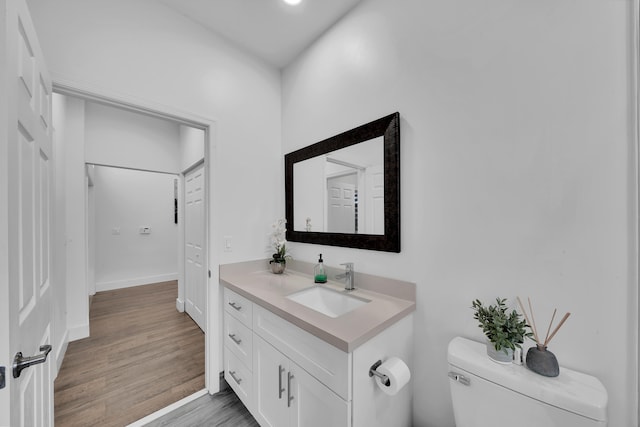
20, 362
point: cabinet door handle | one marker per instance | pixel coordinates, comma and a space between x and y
234, 305
280, 388
236, 379
234, 339
289, 397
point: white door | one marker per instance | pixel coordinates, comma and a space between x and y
25, 218
194, 274
375, 200
341, 204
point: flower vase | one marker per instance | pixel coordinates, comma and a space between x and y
277, 267
542, 361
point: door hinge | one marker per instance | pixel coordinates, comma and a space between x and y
2, 381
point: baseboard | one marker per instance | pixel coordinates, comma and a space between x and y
136, 281
78, 332
61, 350
179, 305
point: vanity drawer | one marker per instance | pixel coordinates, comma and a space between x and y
238, 306
238, 338
239, 377
328, 364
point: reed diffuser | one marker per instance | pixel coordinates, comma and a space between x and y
539, 359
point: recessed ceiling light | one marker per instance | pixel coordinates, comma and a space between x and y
292, 2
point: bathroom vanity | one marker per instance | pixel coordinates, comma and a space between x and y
295, 361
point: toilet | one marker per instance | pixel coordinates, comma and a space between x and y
486, 393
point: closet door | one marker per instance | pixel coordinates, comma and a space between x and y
195, 279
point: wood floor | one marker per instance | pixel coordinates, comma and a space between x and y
142, 356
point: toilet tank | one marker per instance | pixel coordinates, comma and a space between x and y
486, 393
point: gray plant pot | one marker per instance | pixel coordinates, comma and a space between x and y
504, 355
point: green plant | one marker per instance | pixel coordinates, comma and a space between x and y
504, 330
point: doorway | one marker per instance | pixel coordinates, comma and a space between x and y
211, 297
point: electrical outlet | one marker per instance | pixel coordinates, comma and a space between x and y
115, 231
145, 230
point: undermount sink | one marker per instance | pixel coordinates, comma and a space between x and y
327, 301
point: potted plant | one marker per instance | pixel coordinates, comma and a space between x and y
279, 259
504, 331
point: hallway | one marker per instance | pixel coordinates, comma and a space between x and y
142, 356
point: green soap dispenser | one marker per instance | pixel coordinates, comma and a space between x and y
319, 274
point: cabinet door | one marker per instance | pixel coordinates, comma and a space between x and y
270, 369
313, 404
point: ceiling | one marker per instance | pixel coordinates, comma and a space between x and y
269, 29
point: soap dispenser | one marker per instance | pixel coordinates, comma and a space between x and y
319, 274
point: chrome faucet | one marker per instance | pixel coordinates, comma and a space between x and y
348, 275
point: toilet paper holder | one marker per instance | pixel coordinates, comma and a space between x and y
383, 377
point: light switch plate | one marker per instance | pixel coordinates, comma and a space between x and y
228, 243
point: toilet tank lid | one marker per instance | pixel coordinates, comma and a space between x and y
572, 391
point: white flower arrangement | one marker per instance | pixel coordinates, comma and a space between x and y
278, 241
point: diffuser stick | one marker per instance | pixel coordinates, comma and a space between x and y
555, 331
546, 338
527, 317
535, 329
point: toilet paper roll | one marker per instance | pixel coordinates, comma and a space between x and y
398, 373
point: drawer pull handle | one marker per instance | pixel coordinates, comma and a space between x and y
289, 397
234, 339
235, 305
280, 388
236, 379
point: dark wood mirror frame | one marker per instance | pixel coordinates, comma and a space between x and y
389, 127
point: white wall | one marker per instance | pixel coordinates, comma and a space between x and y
72, 142
123, 48
90, 235
59, 335
126, 200
309, 197
518, 169
117, 137
192, 142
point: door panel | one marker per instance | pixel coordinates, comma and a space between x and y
270, 369
313, 404
195, 279
25, 144
341, 210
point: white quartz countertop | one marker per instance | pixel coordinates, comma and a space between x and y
389, 302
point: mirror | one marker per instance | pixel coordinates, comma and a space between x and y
345, 190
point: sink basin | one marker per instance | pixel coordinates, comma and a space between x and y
327, 301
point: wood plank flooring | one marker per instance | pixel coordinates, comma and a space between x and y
223, 409
142, 356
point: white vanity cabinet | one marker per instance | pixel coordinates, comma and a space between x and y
289, 377
278, 391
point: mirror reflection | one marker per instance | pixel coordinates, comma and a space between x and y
345, 190
341, 191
